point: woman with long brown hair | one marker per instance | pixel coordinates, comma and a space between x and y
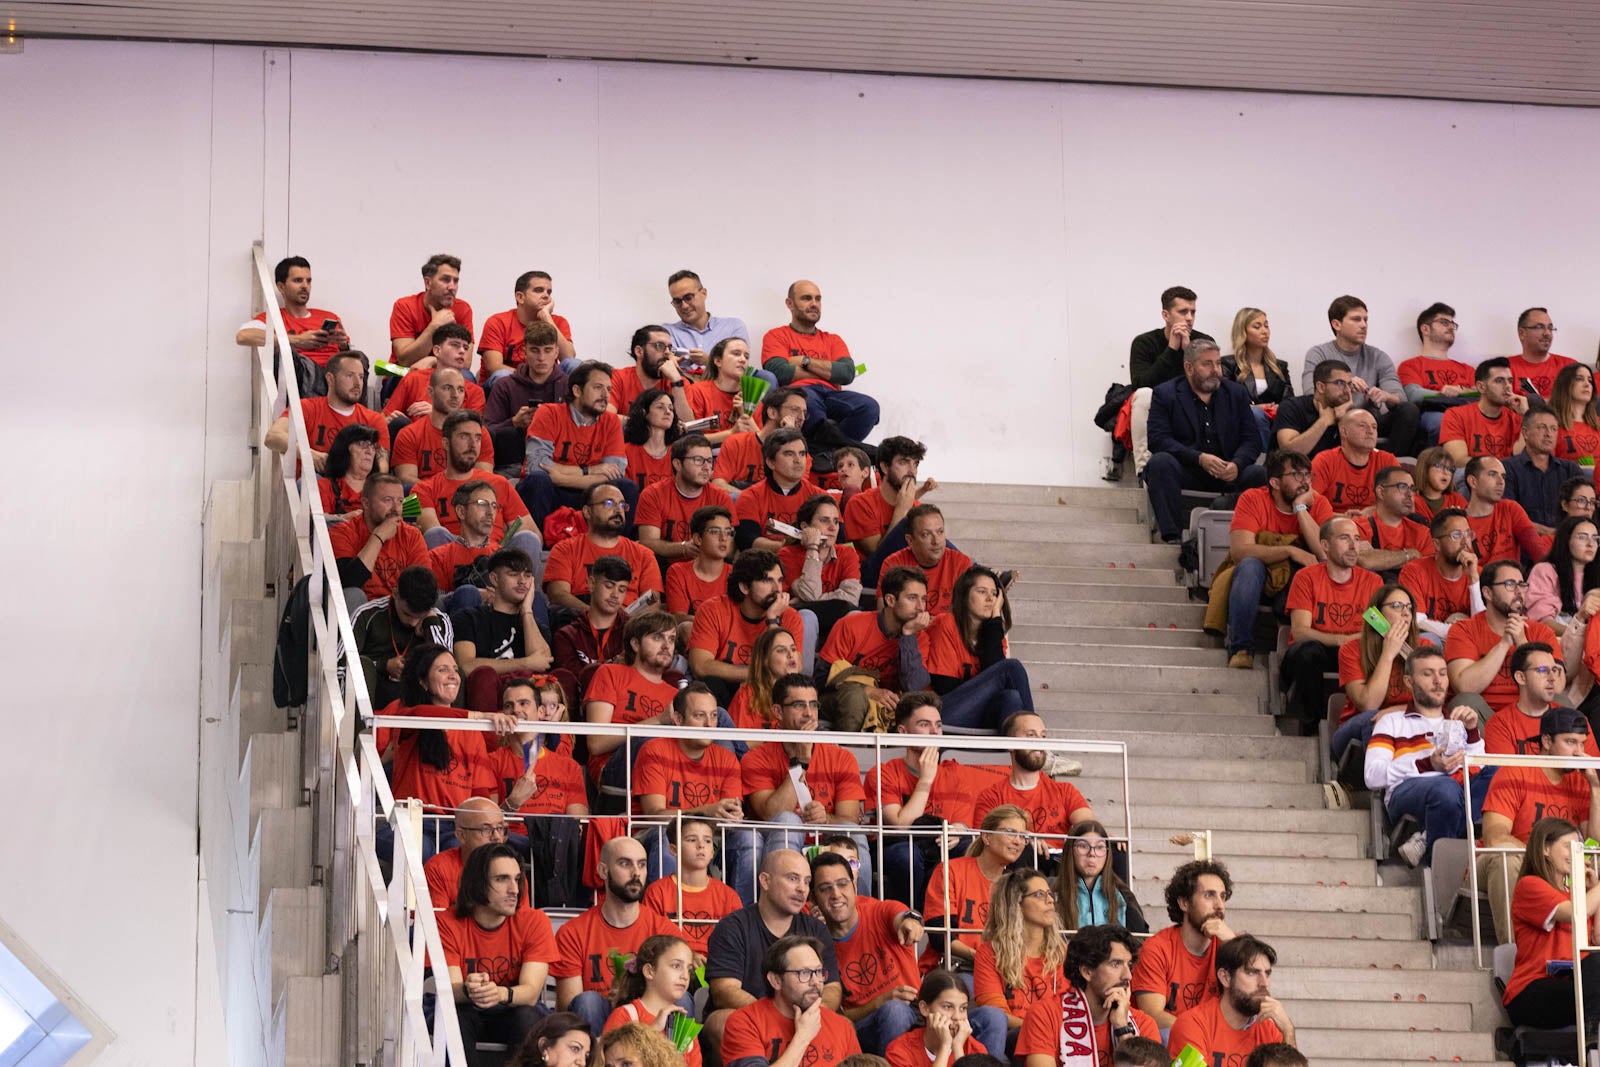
1088, 891
1372, 668
1577, 417
1541, 922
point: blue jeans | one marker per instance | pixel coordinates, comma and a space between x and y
1165, 478
1249, 579
796, 839
1357, 727
1430, 426
983, 701
1263, 427
856, 413
877, 1030
1436, 801
989, 1027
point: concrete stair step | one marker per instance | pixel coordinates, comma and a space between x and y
1102, 496
1121, 535
1015, 551
1253, 820
1316, 952
1045, 639
1082, 669
960, 513
1045, 598
1283, 896
1199, 745
1392, 985
1387, 1046
1130, 648
1144, 790
1272, 925
1109, 606
1300, 870
1091, 724
1047, 574
1377, 1015
1282, 772
1156, 841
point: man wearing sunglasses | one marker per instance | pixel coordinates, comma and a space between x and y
1479, 649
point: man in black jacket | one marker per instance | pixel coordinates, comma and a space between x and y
1202, 436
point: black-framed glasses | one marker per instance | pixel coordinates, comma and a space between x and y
498, 829
1040, 894
1511, 585
807, 974
801, 705
659, 346
1400, 605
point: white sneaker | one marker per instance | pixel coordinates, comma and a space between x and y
1413, 849
1061, 765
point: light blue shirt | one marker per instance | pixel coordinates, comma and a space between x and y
686, 336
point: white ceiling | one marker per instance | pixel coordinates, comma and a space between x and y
1535, 51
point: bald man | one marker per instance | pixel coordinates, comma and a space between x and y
818, 365
583, 972
1325, 604
479, 821
1345, 475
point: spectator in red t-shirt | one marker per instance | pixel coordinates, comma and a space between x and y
375, 546
778, 496
649, 429
873, 644
1572, 399
325, 416
462, 434
1347, 475
720, 392
513, 399
1325, 605
1479, 649
1501, 528
452, 350
498, 954
352, 456
1390, 538
1541, 916
1245, 1016
792, 1027
1536, 362
314, 334
574, 446
740, 462
500, 349
1444, 585
1431, 379
414, 318
704, 576
1053, 806
1490, 427
566, 577
822, 575
1372, 669
963, 656
819, 365
1099, 962
478, 822
874, 519
633, 692
419, 447
1435, 477
726, 627
1287, 506
948, 1033
1177, 969
928, 550
667, 505
654, 367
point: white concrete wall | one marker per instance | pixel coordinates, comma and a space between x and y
987, 249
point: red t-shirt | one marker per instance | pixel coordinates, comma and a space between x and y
337, 496
447, 560
858, 639
910, 1050
1471, 639
632, 696
845, 566
470, 774
663, 768
405, 549
1041, 1032
1424, 510
569, 561
739, 459
989, 990
761, 502
686, 591
871, 957
1511, 733
585, 944
647, 470
1525, 795
1482, 435
525, 937
951, 798
760, 1031
1206, 1029
504, 333
834, 776
410, 317
1539, 940
1347, 486
783, 342
703, 907
577, 446
421, 445
1403, 535
1166, 967
1256, 511
1049, 804
1498, 533
323, 423
1350, 670
1543, 374
721, 629
1335, 607
627, 386
966, 907
1579, 442
664, 506
941, 578
867, 515
1435, 374
943, 652
414, 387
705, 399
635, 1012
312, 320
558, 780
1436, 596
435, 493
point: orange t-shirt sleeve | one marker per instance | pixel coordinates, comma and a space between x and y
562, 564
545, 424
988, 989
677, 590
1302, 592
1350, 663
709, 626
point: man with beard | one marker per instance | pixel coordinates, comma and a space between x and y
777, 496
666, 508
1202, 436
497, 952
1390, 538
1500, 528
303, 323
515, 396
634, 691
1082, 1027
726, 627
1274, 523
1490, 427
870, 641
583, 972
1514, 730
419, 448
416, 318
1308, 424
326, 415
1052, 806
500, 636
1177, 966
739, 460
1479, 649
1416, 753
793, 1027
819, 365
735, 967
459, 562
1537, 334
574, 446
566, 572
375, 546
654, 367
929, 551
1245, 1016
874, 518
1445, 584
462, 434
1347, 475
1326, 601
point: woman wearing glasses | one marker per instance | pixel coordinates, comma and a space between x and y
1566, 586
959, 891
1091, 893
1577, 498
1372, 668
1020, 958
1577, 418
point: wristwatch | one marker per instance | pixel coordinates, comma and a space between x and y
1298, 508
1125, 1031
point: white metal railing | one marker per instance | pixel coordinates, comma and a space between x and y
378, 933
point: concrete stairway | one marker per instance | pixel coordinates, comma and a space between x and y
1115, 651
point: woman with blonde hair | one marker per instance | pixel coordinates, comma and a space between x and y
959, 891
638, 1045
1254, 365
1577, 417
1020, 959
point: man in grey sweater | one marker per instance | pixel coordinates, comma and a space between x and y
1374, 383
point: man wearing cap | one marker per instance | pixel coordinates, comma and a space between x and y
1520, 796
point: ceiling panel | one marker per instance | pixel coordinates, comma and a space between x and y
1534, 52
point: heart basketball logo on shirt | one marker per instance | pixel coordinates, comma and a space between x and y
1341, 615
862, 973
695, 794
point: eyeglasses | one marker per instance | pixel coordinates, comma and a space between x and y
1510, 585
1404, 487
498, 829
1093, 848
659, 346
1540, 327
699, 461
1452, 323
1586, 502
1340, 381
1587, 539
800, 705
1400, 605
492, 505
1040, 894
807, 974
1453, 535
685, 300
1545, 672
610, 505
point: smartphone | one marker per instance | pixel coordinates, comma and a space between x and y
710, 422
1006, 578
329, 325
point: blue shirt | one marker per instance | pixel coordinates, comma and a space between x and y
686, 336
1094, 908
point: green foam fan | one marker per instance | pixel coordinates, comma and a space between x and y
393, 370
751, 390
411, 508
683, 1030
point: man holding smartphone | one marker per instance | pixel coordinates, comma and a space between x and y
654, 367
314, 333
